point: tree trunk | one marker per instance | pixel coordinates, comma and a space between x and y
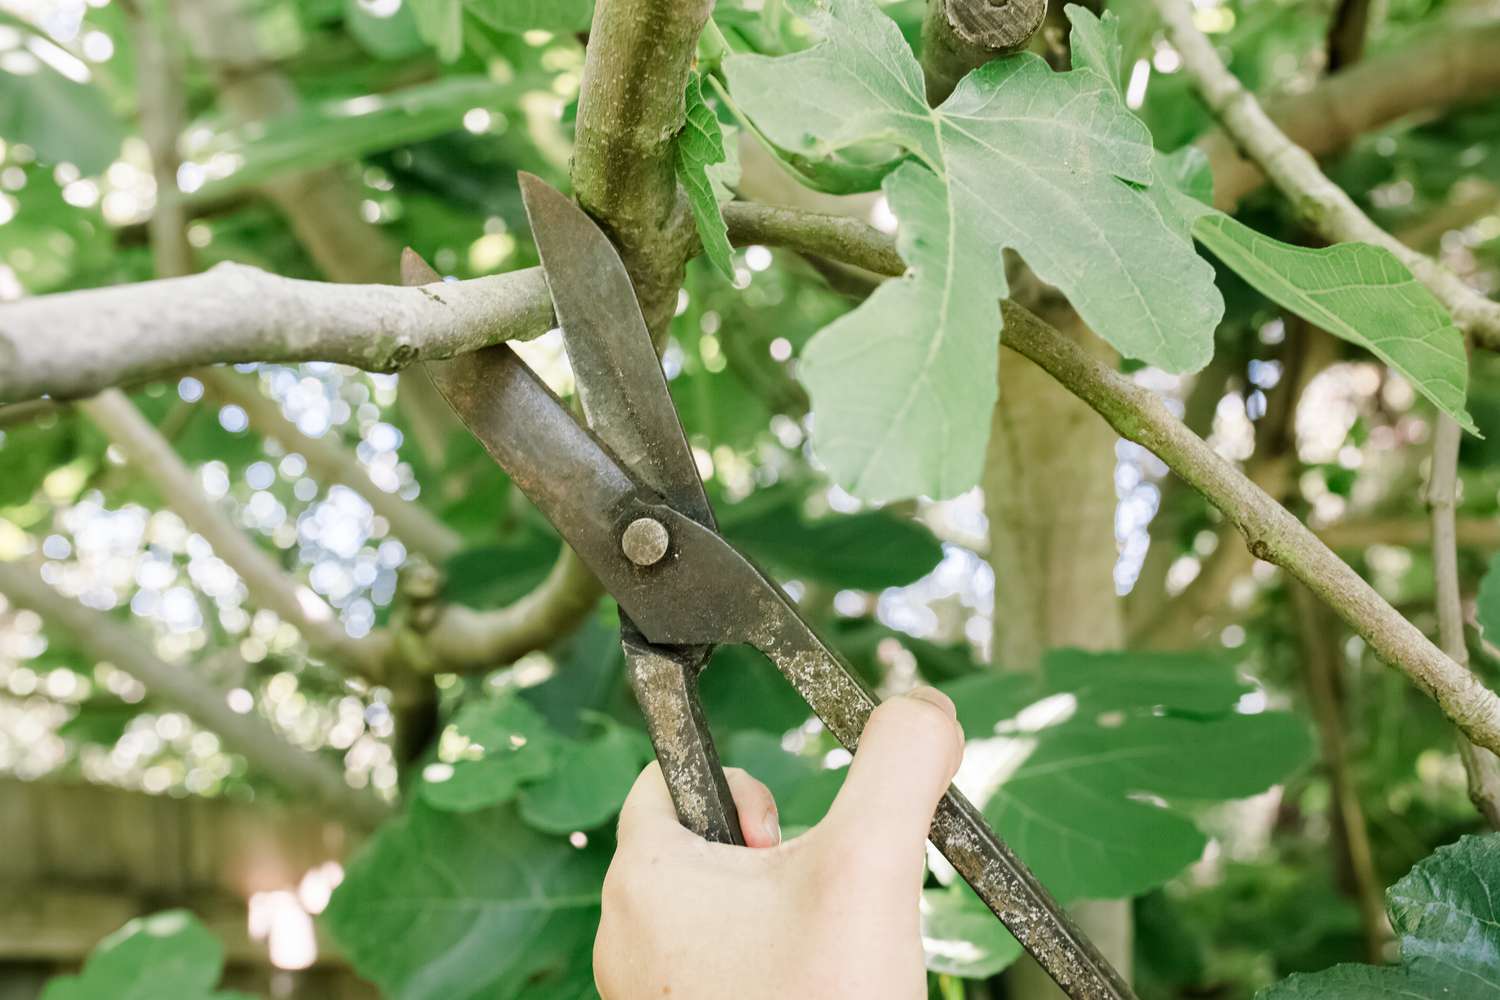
1050, 497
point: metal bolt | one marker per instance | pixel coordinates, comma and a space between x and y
644, 541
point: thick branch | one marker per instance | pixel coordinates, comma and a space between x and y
329, 462
461, 639
1459, 63
269, 586
1270, 531
249, 735
958, 35
1320, 203
1480, 765
630, 107
80, 342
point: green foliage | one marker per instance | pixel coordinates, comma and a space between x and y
488, 576
507, 744
1445, 916
589, 781
393, 37
869, 550
464, 906
1110, 787
1355, 291
48, 243
441, 22
340, 129
63, 120
1049, 164
803, 788
33, 452
699, 146
962, 937
503, 750
1104, 755
168, 954
1358, 292
1487, 604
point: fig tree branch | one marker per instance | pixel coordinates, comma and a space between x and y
630, 108
78, 343
1272, 533
1270, 530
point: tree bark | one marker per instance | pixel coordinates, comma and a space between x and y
958, 35
630, 108
1050, 498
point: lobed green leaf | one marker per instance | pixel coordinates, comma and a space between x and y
1051, 165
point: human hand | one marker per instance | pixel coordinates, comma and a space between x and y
832, 913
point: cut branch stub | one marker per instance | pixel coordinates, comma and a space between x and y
958, 35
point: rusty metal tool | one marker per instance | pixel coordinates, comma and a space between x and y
625, 493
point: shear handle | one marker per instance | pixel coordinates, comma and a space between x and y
665, 681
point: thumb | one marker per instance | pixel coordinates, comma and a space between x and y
907, 755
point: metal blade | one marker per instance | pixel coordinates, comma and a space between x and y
619, 378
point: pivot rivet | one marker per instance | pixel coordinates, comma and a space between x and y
644, 541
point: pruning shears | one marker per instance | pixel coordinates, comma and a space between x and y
625, 494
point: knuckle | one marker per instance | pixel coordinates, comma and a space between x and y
913, 718
918, 725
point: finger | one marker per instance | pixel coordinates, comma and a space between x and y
759, 820
908, 753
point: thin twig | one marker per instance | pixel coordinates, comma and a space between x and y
249, 735
1318, 636
1270, 531
1321, 204
1481, 767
